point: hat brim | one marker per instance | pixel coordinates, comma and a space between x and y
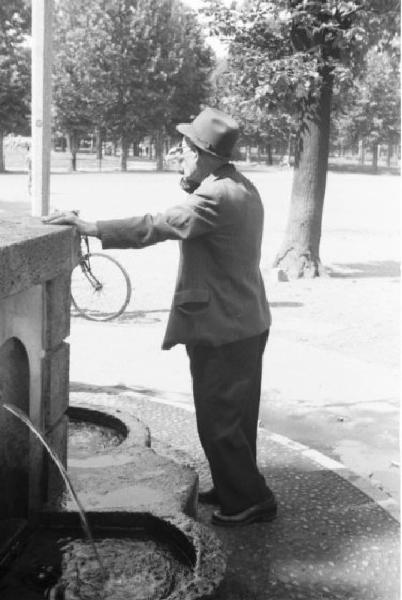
187, 130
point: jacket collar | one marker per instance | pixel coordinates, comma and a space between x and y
224, 169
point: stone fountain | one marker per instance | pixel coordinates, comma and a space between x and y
130, 492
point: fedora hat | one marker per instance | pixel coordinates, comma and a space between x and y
212, 131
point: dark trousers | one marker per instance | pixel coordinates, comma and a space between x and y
227, 389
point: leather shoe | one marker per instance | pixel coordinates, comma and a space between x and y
209, 497
264, 511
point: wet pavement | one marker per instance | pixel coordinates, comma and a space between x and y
337, 534
330, 541
345, 407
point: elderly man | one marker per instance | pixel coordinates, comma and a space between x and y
219, 308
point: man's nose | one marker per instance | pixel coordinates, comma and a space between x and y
174, 154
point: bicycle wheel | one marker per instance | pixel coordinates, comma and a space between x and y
100, 288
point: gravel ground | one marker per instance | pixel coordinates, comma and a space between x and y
332, 365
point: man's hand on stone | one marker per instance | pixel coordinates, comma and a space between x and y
71, 218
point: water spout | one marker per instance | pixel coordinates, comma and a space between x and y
84, 521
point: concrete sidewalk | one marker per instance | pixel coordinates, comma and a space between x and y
336, 536
330, 540
344, 406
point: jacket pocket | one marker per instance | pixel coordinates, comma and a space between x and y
191, 301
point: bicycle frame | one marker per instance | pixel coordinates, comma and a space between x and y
85, 264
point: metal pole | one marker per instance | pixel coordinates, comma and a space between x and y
42, 14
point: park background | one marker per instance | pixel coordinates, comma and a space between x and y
332, 366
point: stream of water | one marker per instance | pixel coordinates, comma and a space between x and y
84, 521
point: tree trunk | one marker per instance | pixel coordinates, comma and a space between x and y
375, 157
289, 149
2, 162
73, 160
124, 154
389, 155
72, 143
299, 254
159, 145
248, 154
362, 152
268, 149
98, 145
136, 148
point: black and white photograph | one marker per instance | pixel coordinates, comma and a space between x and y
200, 299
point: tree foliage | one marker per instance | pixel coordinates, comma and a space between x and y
14, 70
292, 57
179, 62
82, 92
374, 105
262, 124
128, 66
285, 45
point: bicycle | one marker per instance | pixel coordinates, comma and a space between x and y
100, 286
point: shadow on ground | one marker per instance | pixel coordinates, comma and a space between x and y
78, 386
286, 304
109, 171
363, 169
134, 316
319, 547
330, 541
386, 268
143, 317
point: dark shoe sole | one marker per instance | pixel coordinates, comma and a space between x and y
262, 517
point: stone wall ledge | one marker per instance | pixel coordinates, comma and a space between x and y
32, 253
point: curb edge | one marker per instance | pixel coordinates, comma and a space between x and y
380, 497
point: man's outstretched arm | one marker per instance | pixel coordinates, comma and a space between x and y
71, 218
197, 216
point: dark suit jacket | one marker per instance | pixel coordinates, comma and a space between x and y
219, 296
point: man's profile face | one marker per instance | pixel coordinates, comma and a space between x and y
189, 158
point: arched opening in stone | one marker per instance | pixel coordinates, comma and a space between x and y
14, 435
